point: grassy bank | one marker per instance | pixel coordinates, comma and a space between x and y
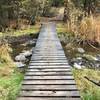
88, 90
10, 76
30, 29
10, 85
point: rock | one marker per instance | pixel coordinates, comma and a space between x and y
97, 65
90, 57
77, 66
20, 64
79, 58
98, 57
34, 40
20, 57
80, 50
24, 44
31, 42
27, 53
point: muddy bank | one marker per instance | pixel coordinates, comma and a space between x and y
20, 46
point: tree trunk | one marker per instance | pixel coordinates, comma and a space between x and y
66, 11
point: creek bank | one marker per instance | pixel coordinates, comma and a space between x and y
23, 47
81, 57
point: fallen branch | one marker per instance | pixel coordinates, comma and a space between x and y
92, 46
93, 81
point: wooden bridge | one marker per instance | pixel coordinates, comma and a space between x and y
49, 75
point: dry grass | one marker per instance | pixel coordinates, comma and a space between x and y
10, 77
90, 29
4, 53
6, 63
87, 29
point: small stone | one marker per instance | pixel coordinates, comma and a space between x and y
31, 42
20, 64
97, 65
98, 57
81, 50
79, 58
27, 53
90, 57
20, 57
77, 66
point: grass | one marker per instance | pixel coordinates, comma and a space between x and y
30, 29
10, 76
61, 27
10, 85
88, 90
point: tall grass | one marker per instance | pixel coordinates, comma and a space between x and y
6, 62
10, 77
87, 29
4, 53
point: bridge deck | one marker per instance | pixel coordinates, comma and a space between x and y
48, 76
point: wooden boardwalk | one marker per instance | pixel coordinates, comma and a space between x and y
48, 76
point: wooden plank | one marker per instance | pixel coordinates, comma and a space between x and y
48, 73
33, 57
43, 59
48, 77
49, 61
49, 69
50, 93
55, 53
47, 98
53, 82
52, 55
53, 64
50, 87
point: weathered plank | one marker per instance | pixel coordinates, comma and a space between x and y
49, 61
49, 69
49, 77
47, 66
47, 98
50, 93
48, 73
50, 87
59, 82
